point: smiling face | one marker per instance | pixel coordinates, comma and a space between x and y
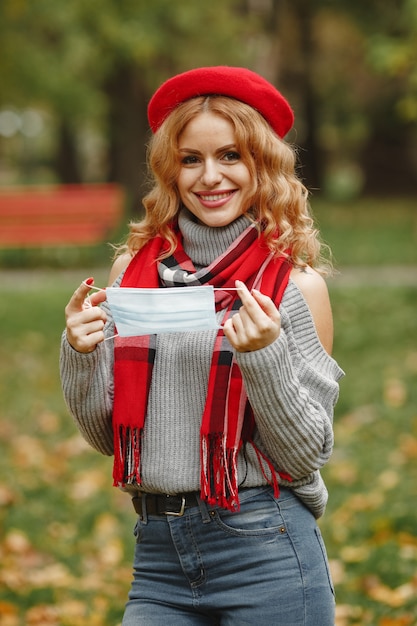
213, 183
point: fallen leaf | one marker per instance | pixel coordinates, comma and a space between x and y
86, 484
7, 609
17, 541
7, 496
54, 575
408, 446
394, 598
405, 620
389, 479
42, 615
354, 554
395, 392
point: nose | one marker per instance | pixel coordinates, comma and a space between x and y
211, 174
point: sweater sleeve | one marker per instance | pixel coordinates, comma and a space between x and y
87, 384
292, 386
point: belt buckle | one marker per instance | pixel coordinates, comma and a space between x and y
179, 513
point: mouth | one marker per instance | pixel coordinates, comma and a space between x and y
214, 199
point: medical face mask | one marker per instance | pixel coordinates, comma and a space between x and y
176, 309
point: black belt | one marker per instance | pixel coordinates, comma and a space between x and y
164, 504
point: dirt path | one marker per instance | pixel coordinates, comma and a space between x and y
62, 278
389, 276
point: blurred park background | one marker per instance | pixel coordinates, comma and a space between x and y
76, 77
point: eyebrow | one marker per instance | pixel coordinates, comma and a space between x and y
231, 146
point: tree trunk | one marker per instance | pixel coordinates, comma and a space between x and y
312, 169
67, 163
128, 132
291, 22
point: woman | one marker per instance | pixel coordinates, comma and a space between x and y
218, 434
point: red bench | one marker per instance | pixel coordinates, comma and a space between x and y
38, 216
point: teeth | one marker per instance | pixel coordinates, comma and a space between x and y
215, 197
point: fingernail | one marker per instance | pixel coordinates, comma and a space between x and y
89, 281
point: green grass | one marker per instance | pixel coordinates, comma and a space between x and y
64, 531
62, 523
370, 526
369, 232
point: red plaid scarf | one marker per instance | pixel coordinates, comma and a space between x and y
228, 419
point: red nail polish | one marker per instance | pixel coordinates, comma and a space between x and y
89, 281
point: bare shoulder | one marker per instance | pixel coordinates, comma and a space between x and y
119, 265
310, 282
314, 289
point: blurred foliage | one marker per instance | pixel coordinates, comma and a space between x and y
88, 70
61, 53
93, 66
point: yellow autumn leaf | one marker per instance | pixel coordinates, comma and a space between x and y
408, 446
395, 392
86, 484
16, 541
354, 554
54, 575
42, 615
389, 479
7, 496
394, 598
404, 620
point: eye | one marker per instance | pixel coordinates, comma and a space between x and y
231, 156
189, 159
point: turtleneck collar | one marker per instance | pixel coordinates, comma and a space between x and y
203, 244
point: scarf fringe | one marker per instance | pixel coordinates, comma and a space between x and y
127, 455
273, 473
219, 486
219, 480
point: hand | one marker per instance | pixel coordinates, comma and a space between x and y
85, 319
256, 325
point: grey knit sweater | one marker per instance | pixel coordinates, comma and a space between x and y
292, 386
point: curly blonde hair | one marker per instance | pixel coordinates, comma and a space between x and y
280, 200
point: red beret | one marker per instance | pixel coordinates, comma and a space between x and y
235, 82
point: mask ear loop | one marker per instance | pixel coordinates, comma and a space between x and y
84, 282
215, 288
87, 301
88, 304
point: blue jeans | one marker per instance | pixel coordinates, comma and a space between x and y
265, 565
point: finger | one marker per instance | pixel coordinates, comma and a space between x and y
253, 300
256, 311
85, 343
235, 332
79, 322
77, 300
80, 297
230, 332
84, 332
256, 324
249, 302
94, 299
266, 304
243, 292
